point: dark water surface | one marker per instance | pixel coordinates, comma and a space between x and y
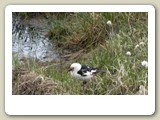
29, 40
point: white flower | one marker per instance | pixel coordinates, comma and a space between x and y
137, 46
144, 63
141, 43
109, 23
128, 53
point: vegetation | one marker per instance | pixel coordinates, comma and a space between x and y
116, 42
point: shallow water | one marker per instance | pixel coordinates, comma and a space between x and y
29, 40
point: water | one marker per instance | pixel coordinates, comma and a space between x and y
29, 41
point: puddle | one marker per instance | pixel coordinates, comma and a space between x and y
29, 40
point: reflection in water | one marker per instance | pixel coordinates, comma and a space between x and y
30, 41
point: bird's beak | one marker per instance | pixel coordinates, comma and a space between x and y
70, 69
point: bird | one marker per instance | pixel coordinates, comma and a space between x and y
83, 72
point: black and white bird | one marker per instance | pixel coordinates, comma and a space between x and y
83, 72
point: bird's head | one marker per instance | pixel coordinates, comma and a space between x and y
75, 67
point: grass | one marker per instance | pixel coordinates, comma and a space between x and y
103, 46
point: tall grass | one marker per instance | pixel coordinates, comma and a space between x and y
104, 47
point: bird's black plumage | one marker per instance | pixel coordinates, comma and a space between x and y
84, 69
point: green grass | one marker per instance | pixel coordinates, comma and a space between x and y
104, 47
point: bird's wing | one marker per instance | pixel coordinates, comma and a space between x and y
85, 70
95, 70
82, 73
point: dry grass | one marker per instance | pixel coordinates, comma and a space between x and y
84, 31
27, 82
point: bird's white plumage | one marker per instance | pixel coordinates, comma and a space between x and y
77, 71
